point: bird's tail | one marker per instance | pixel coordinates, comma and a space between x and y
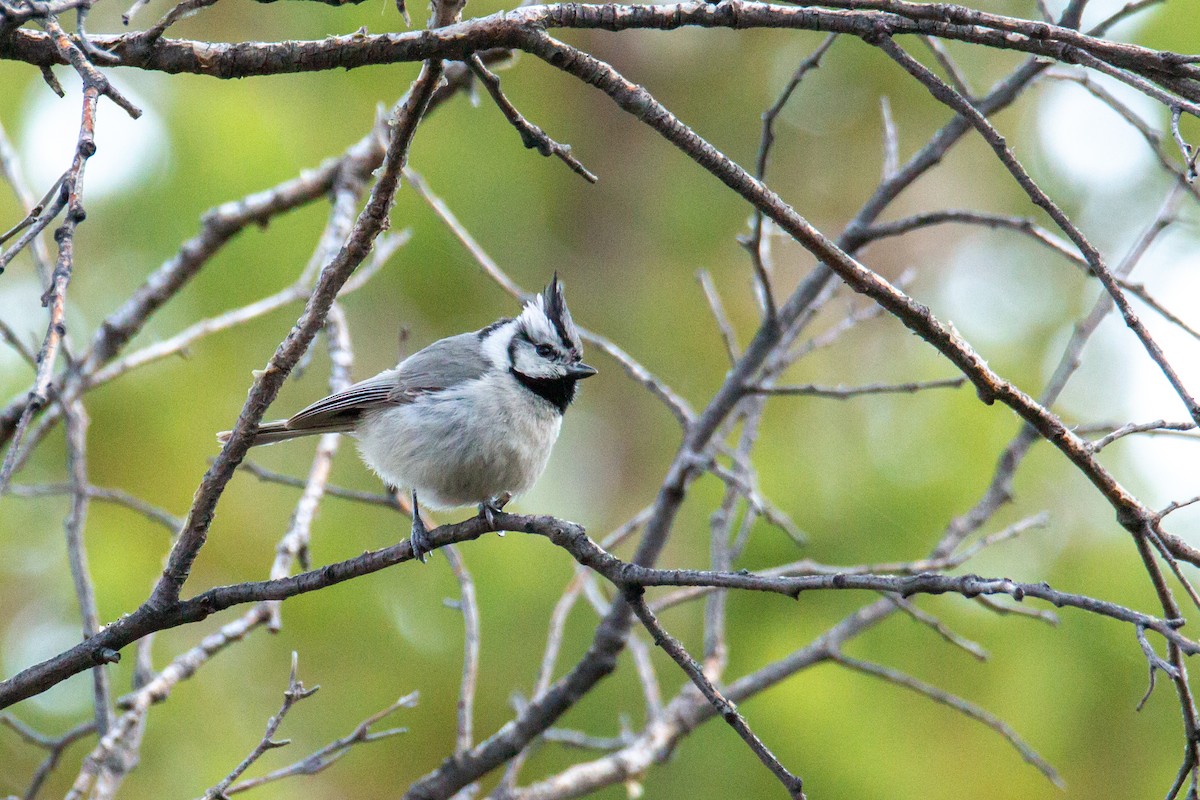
278, 431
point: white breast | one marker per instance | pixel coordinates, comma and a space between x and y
464, 445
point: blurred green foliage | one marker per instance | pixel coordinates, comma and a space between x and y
870, 480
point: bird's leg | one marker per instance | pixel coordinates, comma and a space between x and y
419, 538
492, 506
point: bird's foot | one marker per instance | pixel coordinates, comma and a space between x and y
492, 506
422, 546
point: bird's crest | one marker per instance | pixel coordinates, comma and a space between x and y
546, 317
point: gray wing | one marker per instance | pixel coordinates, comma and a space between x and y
346, 405
445, 363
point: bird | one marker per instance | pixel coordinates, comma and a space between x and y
467, 420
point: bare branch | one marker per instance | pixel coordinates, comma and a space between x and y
755, 242
947, 95
718, 312
1157, 425
533, 137
372, 498
294, 694
847, 392
958, 704
728, 711
975, 650
327, 755
114, 496
891, 141
953, 73
55, 746
85, 593
470, 670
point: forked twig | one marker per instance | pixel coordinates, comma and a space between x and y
294, 694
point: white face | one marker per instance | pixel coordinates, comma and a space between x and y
541, 352
539, 359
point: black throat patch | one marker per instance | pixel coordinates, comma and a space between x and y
558, 392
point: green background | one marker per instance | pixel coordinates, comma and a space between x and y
870, 480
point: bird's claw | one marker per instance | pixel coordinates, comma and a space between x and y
419, 538
422, 546
493, 506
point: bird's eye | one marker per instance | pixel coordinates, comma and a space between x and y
545, 350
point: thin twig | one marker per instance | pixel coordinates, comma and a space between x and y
718, 311
974, 649
180, 11
958, 704
53, 745
294, 694
10, 166
370, 498
808, 566
847, 392
1176, 505
1040, 614
582, 741
10, 336
891, 141
293, 547
532, 136
471, 638
755, 241
1157, 425
327, 755
1121, 14
954, 74
728, 711
1189, 153
76, 522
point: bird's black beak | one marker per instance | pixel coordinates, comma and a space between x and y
580, 371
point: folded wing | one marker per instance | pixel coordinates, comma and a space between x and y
443, 364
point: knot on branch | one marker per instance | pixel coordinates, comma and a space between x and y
880, 30
726, 12
971, 586
1132, 520
105, 655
